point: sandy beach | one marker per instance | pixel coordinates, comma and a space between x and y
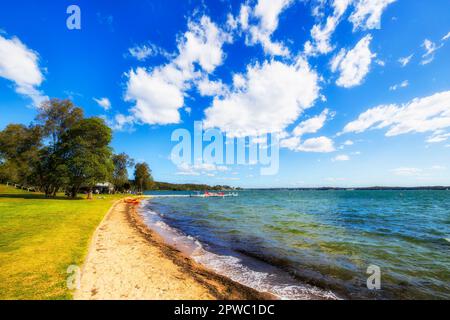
127, 260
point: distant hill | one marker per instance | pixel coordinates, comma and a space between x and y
364, 188
188, 187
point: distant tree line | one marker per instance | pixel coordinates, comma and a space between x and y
188, 187
63, 151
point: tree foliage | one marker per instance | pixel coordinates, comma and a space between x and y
120, 175
143, 177
62, 151
19, 148
85, 152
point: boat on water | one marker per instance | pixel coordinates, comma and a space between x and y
208, 194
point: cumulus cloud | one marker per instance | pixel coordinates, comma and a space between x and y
353, 65
321, 33
311, 125
320, 144
104, 103
270, 96
158, 94
157, 99
367, 13
429, 114
294, 141
20, 65
207, 87
259, 23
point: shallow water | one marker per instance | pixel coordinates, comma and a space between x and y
319, 244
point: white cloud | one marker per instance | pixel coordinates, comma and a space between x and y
268, 12
348, 143
381, 63
207, 87
259, 22
158, 94
320, 144
271, 96
367, 14
201, 44
429, 114
121, 122
200, 169
321, 33
290, 143
438, 137
20, 65
104, 103
311, 125
144, 51
424, 173
403, 84
341, 157
446, 37
407, 172
430, 48
405, 60
157, 100
353, 65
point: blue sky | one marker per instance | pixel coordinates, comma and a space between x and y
357, 90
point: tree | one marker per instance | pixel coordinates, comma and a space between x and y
86, 154
142, 176
19, 146
50, 172
120, 175
56, 118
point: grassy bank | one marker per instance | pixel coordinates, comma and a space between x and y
40, 238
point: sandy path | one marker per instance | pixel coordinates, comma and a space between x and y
128, 261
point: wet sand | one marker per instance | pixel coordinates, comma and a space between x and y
127, 260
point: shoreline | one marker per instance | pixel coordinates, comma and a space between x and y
128, 260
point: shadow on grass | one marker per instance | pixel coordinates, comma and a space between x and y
36, 197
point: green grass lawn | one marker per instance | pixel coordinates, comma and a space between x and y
40, 238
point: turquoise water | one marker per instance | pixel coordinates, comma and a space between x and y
318, 243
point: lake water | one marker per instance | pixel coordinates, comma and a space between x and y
316, 244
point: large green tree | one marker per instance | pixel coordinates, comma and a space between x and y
86, 154
120, 175
142, 177
56, 117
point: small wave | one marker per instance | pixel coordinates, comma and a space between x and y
447, 239
281, 285
236, 266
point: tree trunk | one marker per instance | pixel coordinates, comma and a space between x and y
89, 196
73, 192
